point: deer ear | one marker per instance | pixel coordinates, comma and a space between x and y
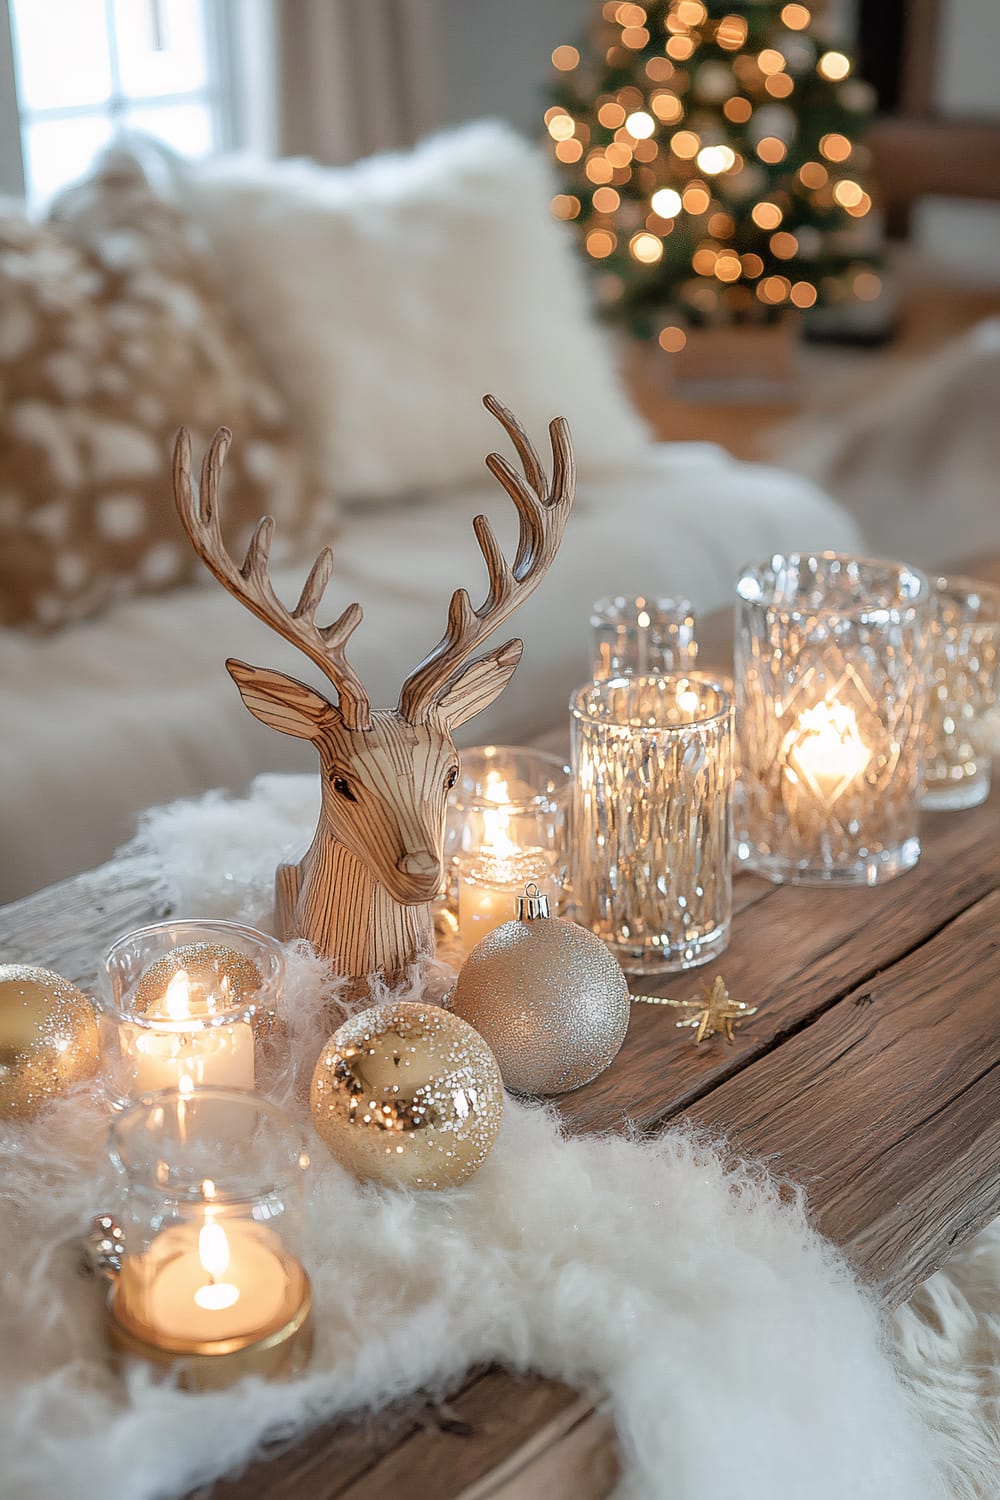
282, 702
477, 685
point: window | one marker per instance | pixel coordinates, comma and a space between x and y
87, 69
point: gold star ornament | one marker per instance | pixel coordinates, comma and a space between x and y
715, 1012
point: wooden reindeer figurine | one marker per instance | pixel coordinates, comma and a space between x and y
362, 893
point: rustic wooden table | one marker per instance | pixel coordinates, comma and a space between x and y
871, 1074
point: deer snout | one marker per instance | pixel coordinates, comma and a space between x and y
422, 862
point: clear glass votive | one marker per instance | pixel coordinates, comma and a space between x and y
211, 1280
832, 662
965, 642
507, 823
653, 768
183, 1003
643, 636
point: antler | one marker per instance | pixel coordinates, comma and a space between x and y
251, 584
542, 512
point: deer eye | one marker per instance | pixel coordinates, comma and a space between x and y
451, 778
343, 787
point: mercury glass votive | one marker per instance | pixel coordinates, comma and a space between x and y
183, 1004
644, 635
832, 663
965, 643
211, 1283
653, 768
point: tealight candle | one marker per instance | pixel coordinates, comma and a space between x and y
491, 878
189, 1036
826, 749
209, 1280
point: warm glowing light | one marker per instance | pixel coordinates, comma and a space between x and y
834, 66
680, 48
728, 266
630, 15
715, 159
771, 60
773, 289
640, 125
771, 150
213, 1252
496, 819
813, 174
803, 294
659, 69
737, 109
867, 286
784, 245
858, 210
600, 243
697, 198
672, 339
561, 127
611, 115
685, 144
646, 151
721, 225
827, 750
847, 193
703, 260
606, 200
565, 206
635, 38
619, 154
766, 215
779, 85
752, 265
569, 151
835, 147
666, 202
666, 106
565, 59
688, 701
598, 168
731, 33
796, 17
691, 12
646, 247
177, 997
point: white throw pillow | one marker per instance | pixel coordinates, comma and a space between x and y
389, 296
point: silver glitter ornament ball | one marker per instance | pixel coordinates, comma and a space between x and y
408, 1095
550, 999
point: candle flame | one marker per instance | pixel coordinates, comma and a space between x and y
496, 840
828, 749
213, 1248
177, 999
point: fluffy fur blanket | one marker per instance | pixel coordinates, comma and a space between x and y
739, 1358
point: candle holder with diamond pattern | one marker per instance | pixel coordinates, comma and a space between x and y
832, 668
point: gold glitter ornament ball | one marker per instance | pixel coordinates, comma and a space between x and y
48, 1038
408, 1095
550, 999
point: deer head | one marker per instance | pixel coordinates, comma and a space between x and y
386, 773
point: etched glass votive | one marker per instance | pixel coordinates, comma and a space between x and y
832, 662
507, 824
653, 768
644, 636
965, 643
211, 1282
182, 1006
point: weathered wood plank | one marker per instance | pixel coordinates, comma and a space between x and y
888, 1108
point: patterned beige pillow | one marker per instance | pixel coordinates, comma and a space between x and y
113, 332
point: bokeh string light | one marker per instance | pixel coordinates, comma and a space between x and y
711, 163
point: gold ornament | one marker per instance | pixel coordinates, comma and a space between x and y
48, 1038
715, 1012
206, 965
408, 1095
548, 996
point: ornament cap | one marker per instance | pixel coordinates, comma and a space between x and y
533, 904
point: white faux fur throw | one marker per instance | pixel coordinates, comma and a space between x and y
729, 1340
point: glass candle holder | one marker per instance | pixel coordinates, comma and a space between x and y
210, 1280
965, 644
507, 824
183, 1003
832, 659
653, 767
643, 635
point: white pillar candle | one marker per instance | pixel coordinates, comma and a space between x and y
182, 1037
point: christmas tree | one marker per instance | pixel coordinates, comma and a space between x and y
712, 164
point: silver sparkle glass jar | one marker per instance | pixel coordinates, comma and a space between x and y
962, 726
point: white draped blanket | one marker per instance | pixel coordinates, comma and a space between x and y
737, 1355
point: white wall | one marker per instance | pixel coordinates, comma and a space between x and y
969, 66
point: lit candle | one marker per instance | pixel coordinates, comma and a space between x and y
491, 879
826, 749
183, 1037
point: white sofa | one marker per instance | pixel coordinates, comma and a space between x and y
136, 707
